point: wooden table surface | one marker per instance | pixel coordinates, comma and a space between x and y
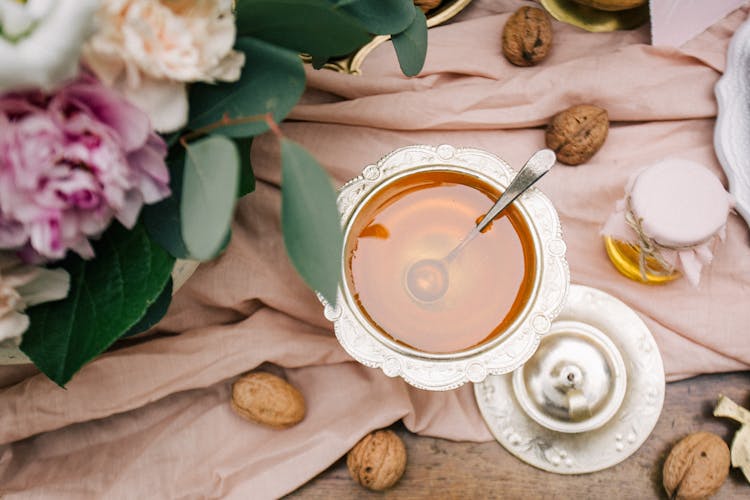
440, 469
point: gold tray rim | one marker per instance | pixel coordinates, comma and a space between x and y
352, 64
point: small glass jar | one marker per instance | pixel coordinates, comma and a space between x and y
626, 258
668, 222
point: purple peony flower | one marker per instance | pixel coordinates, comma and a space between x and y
69, 163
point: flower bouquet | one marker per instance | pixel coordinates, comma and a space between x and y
125, 136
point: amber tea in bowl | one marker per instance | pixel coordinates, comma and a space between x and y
423, 216
503, 289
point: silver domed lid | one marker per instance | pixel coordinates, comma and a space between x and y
575, 381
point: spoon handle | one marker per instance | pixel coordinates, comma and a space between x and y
539, 164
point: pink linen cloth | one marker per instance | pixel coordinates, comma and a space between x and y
673, 22
151, 418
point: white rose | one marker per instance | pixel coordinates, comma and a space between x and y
149, 49
21, 286
40, 41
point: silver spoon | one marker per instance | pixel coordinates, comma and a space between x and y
427, 279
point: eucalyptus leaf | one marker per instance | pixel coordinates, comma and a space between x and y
318, 62
411, 45
310, 220
108, 295
316, 27
154, 313
272, 81
247, 178
382, 17
162, 220
209, 192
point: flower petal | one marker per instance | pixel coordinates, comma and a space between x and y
154, 178
49, 285
131, 207
165, 102
130, 123
49, 55
13, 325
230, 68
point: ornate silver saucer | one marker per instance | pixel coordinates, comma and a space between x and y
590, 395
503, 354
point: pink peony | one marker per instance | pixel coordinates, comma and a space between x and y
69, 163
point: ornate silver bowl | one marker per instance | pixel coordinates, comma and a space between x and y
503, 353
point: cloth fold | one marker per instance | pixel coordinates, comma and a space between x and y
151, 418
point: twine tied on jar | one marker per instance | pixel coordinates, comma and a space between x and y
650, 249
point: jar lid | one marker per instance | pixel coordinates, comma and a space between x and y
681, 203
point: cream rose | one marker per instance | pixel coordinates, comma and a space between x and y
22, 286
149, 49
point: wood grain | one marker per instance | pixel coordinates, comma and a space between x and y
440, 469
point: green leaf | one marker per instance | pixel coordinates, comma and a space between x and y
272, 81
154, 313
247, 178
310, 220
383, 17
108, 295
411, 45
318, 62
162, 220
316, 27
209, 192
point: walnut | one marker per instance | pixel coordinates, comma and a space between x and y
267, 399
427, 5
527, 36
696, 467
378, 460
577, 133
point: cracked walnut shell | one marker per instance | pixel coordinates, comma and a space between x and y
378, 460
267, 399
527, 36
696, 467
741, 441
577, 133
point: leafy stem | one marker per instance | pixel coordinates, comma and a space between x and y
227, 121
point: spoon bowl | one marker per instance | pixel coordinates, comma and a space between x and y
427, 280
